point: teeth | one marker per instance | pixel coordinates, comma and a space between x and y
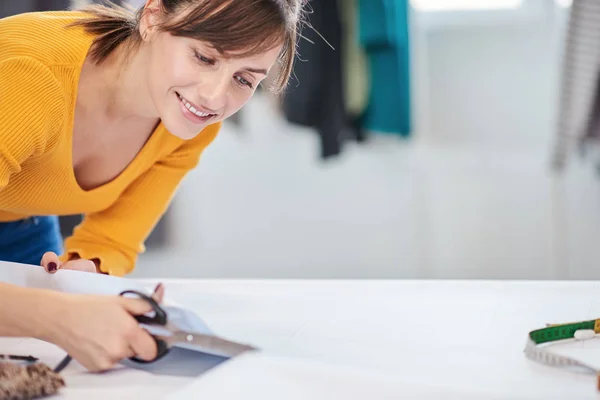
191, 108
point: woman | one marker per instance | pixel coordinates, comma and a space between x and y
97, 331
104, 112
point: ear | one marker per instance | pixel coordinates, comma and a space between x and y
150, 18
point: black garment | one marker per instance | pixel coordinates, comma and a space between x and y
314, 96
8, 8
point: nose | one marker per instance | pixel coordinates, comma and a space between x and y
213, 90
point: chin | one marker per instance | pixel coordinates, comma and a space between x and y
182, 129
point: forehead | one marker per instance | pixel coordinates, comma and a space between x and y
234, 29
268, 55
252, 55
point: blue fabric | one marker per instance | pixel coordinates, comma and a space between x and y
26, 241
389, 102
383, 22
374, 29
383, 32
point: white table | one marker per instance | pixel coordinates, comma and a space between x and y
466, 337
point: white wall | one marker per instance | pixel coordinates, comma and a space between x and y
470, 197
496, 81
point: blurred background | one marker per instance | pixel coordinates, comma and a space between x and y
442, 139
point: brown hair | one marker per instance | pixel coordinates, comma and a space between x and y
243, 27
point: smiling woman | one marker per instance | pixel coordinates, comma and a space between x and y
209, 55
108, 116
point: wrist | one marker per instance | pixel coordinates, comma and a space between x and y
96, 261
27, 312
45, 321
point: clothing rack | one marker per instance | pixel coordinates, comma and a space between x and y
352, 74
579, 104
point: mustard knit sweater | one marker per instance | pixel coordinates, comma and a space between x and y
40, 63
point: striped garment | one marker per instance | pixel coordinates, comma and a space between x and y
579, 105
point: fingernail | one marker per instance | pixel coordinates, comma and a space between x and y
158, 287
52, 267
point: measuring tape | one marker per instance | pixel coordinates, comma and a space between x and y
582, 330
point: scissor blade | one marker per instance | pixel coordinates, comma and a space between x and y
208, 344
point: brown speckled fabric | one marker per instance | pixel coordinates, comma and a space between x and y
19, 381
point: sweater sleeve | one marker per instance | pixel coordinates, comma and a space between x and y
116, 236
32, 108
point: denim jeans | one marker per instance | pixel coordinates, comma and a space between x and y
25, 241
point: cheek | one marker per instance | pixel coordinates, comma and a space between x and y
172, 67
238, 100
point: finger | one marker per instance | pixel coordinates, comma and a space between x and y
80, 265
144, 345
126, 352
135, 306
102, 365
159, 293
50, 262
94, 361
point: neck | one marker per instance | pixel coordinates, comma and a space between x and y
120, 83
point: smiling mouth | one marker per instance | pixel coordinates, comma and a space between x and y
201, 116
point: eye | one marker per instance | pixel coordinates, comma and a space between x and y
244, 82
203, 59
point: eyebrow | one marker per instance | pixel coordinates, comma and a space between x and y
257, 70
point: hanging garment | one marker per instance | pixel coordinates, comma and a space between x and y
315, 97
384, 34
578, 108
356, 79
355, 70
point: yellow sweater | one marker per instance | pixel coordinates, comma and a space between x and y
40, 63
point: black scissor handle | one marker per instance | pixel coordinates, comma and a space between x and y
159, 317
162, 348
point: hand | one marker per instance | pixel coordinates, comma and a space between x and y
52, 263
99, 331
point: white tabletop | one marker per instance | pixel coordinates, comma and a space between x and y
460, 337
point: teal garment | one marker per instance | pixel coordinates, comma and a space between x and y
383, 32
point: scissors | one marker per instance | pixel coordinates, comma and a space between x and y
203, 342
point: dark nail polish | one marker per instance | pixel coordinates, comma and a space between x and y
158, 287
52, 267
